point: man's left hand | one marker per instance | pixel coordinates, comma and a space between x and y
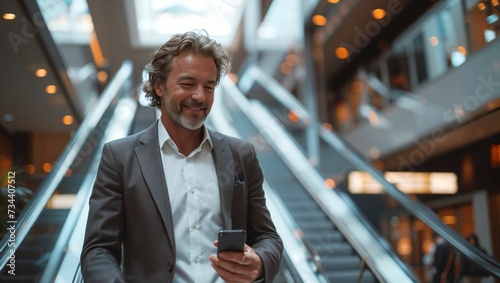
237, 266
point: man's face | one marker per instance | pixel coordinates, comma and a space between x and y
188, 93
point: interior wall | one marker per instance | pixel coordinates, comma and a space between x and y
46, 148
5, 153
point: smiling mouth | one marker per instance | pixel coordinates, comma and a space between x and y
195, 108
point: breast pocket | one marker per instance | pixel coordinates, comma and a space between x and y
239, 205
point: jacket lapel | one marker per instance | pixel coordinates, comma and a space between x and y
149, 158
224, 166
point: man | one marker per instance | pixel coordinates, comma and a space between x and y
443, 260
161, 196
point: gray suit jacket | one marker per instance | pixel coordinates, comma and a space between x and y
130, 232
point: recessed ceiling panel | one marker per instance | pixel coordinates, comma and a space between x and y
157, 20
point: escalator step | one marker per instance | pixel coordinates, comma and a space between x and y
311, 215
301, 205
316, 225
31, 252
18, 278
334, 249
308, 215
324, 237
349, 276
351, 262
294, 194
44, 228
40, 240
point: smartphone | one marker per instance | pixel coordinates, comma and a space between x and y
231, 240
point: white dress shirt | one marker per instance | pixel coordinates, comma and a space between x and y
193, 190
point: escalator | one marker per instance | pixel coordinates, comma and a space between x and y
42, 231
339, 262
331, 253
342, 244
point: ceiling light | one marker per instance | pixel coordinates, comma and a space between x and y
67, 120
330, 183
374, 153
494, 2
333, 1
434, 40
9, 16
29, 169
378, 14
481, 6
342, 53
40, 73
233, 77
293, 116
47, 167
373, 118
102, 76
51, 89
319, 20
462, 50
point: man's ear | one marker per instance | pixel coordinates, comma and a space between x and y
158, 88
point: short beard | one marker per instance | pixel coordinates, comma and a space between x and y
177, 117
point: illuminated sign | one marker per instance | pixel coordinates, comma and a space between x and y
407, 182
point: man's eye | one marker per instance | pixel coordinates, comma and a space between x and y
186, 85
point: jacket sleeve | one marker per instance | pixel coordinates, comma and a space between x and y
101, 255
262, 234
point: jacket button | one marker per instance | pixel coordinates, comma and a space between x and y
170, 266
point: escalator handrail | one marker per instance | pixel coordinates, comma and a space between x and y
68, 247
416, 207
31, 213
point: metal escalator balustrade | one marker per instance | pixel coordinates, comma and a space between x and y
337, 160
43, 228
66, 267
327, 223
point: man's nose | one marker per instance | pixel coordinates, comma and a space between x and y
199, 94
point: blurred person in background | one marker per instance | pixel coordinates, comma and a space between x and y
470, 272
443, 261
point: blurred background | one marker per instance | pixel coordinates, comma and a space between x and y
376, 123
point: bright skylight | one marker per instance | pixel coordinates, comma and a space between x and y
158, 20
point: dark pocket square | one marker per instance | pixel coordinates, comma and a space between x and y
239, 183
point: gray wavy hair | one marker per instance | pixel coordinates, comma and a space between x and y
195, 41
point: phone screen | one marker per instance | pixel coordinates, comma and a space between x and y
231, 240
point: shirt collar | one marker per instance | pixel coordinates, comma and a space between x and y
163, 136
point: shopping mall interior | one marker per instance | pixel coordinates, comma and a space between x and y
376, 124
